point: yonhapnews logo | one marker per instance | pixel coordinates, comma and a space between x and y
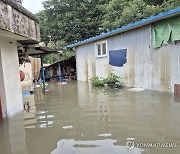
131, 144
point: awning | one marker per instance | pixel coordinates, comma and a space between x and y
40, 51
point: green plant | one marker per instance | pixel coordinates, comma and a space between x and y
112, 79
97, 82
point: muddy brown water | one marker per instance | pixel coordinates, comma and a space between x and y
79, 119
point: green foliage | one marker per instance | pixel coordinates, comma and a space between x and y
68, 21
71, 20
170, 4
112, 14
112, 79
61, 47
122, 12
97, 82
154, 2
44, 27
51, 58
66, 54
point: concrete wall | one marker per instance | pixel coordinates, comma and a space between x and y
10, 86
16, 20
86, 66
155, 69
16, 24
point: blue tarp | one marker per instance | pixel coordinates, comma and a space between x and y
117, 57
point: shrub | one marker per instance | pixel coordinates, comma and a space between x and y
97, 82
112, 79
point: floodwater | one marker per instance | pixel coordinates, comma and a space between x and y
79, 119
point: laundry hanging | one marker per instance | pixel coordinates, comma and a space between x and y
117, 57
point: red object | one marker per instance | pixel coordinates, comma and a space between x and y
177, 89
0, 111
22, 75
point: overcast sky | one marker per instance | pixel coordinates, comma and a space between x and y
33, 5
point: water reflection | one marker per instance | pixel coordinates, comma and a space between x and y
92, 147
13, 135
88, 120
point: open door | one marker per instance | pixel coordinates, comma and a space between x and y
0, 110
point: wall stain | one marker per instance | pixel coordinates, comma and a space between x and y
165, 70
86, 69
131, 63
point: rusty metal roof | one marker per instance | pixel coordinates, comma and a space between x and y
70, 60
27, 42
40, 51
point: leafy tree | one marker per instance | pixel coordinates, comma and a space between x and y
63, 54
72, 20
170, 4
154, 2
137, 10
119, 13
112, 14
44, 27
68, 21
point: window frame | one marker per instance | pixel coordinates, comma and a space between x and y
101, 49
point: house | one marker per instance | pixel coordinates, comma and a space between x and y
17, 25
65, 68
32, 66
145, 54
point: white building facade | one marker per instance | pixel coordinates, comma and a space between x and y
146, 67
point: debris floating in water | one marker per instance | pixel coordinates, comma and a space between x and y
67, 127
105, 135
62, 83
136, 89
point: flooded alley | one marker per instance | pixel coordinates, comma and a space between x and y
79, 119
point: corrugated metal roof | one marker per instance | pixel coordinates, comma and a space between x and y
152, 19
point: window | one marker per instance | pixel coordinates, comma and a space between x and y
101, 49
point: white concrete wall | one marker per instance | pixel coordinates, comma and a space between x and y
10, 86
155, 69
85, 62
135, 72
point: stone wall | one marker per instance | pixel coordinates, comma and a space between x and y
14, 18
